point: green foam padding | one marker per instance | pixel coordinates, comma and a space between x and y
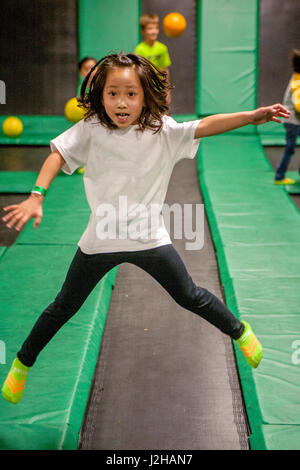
293, 188
223, 152
51, 420
258, 261
244, 187
65, 214
227, 33
108, 17
255, 228
65, 208
273, 134
37, 130
246, 229
52, 408
282, 437
185, 117
277, 379
56, 228
17, 181
252, 296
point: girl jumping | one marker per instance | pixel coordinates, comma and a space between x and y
128, 146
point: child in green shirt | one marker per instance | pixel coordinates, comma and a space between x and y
153, 50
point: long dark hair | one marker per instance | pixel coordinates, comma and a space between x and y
154, 83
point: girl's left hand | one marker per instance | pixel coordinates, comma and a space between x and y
269, 113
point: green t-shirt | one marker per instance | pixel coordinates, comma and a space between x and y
157, 54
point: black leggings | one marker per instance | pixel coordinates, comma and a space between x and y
163, 263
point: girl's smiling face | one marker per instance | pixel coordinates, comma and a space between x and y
123, 96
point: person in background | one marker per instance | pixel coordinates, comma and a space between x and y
292, 123
84, 67
150, 48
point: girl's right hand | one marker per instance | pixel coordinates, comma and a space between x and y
19, 214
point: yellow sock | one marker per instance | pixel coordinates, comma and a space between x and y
13, 387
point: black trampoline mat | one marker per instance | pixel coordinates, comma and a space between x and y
165, 379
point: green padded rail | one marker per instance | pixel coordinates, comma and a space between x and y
17, 181
65, 208
37, 130
65, 214
293, 188
52, 408
273, 134
227, 55
51, 412
255, 228
98, 23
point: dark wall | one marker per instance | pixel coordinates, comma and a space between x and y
38, 60
279, 34
182, 51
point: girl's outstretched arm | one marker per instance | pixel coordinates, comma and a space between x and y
220, 123
19, 214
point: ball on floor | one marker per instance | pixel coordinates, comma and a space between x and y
12, 126
72, 111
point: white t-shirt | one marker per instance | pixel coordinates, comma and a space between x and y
126, 178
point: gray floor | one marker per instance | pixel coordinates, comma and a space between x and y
165, 379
